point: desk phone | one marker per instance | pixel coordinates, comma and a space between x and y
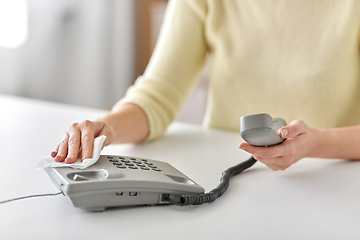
116, 181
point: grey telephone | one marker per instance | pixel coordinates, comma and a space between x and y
115, 181
261, 129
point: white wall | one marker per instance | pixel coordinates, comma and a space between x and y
78, 52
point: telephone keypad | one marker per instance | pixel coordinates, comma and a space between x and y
132, 163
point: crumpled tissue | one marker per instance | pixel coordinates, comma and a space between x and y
87, 162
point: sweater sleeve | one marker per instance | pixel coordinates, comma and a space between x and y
174, 67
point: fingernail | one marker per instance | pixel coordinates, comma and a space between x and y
284, 132
242, 147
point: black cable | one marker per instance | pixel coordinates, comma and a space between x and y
211, 196
31, 196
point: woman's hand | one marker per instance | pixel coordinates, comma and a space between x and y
300, 142
79, 140
125, 124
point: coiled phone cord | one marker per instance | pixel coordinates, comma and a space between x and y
211, 196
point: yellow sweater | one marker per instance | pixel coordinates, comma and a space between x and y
297, 59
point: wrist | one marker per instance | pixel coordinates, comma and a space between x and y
318, 142
128, 122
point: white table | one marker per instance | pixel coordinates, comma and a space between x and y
314, 199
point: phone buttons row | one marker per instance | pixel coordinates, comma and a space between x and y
135, 167
132, 163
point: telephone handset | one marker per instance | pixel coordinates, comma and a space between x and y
261, 129
115, 181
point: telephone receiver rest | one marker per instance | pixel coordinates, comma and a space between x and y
261, 129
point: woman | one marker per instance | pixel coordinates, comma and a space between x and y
292, 59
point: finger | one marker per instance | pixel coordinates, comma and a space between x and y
93, 130
263, 152
73, 145
62, 149
87, 145
295, 128
55, 151
89, 131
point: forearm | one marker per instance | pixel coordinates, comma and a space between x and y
338, 143
129, 123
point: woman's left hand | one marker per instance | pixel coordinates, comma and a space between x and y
300, 142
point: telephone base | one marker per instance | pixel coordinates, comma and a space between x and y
119, 181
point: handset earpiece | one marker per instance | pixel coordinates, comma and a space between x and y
261, 129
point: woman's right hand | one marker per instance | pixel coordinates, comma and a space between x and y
79, 139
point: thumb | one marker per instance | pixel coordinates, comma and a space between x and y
294, 129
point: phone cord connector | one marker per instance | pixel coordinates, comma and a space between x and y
211, 196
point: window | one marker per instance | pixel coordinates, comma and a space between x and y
13, 23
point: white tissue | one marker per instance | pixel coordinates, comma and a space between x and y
87, 162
